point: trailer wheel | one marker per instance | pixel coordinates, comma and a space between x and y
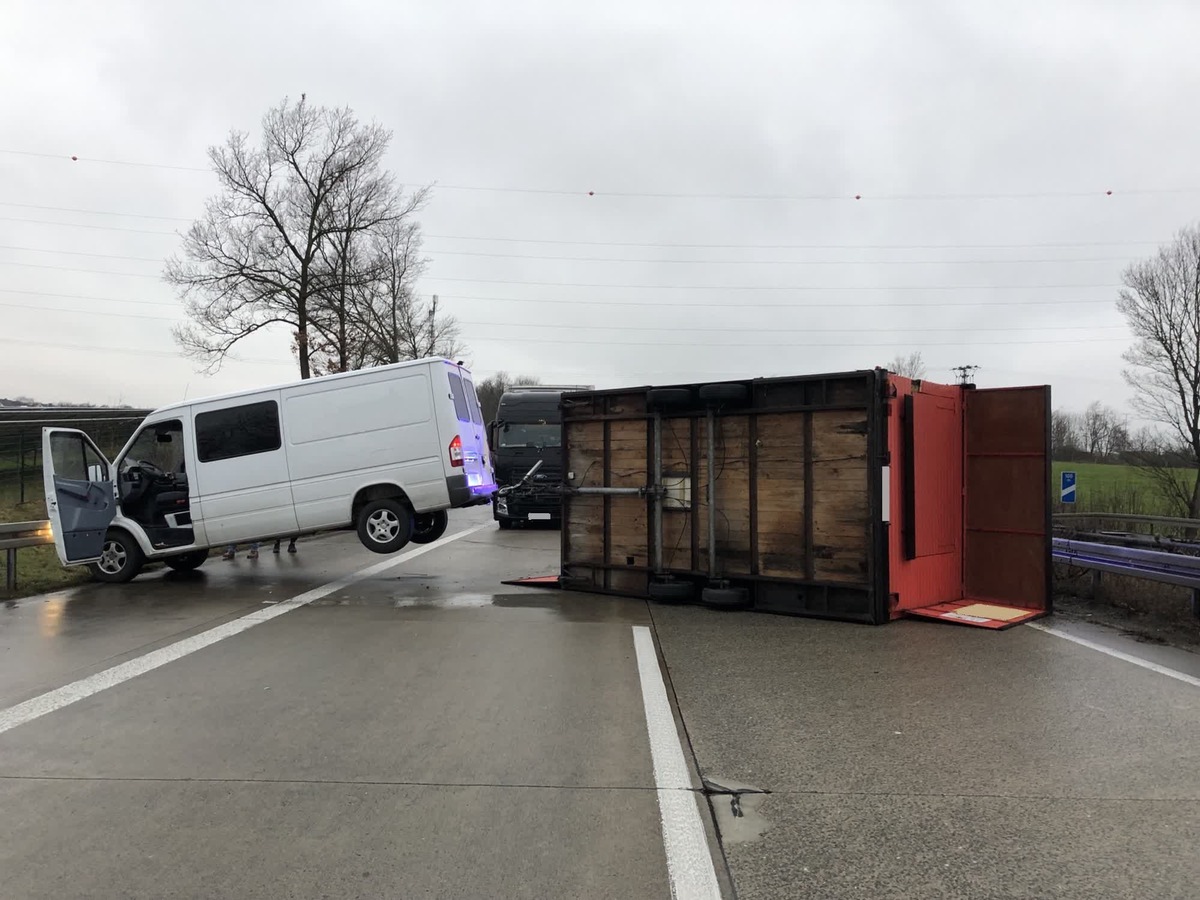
661, 397
723, 393
428, 527
186, 562
671, 591
121, 560
725, 598
384, 526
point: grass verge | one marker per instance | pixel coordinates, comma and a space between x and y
38, 568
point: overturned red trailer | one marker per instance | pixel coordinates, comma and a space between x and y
859, 496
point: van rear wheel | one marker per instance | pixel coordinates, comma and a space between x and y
187, 561
384, 526
428, 527
120, 561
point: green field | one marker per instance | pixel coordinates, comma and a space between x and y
1103, 487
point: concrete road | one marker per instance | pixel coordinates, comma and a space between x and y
422, 732
338, 724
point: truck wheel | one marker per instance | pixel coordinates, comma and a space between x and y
723, 393
121, 560
384, 526
670, 591
505, 524
661, 397
428, 527
187, 561
725, 598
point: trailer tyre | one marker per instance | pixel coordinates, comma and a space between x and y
662, 397
384, 526
723, 393
428, 527
120, 561
671, 591
187, 562
725, 598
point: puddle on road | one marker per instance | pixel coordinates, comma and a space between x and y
456, 601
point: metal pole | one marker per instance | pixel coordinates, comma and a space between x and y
656, 510
10, 570
712, 494
21, 463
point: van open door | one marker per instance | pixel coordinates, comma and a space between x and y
80, 500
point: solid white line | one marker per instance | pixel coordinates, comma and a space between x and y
1117, 654
689, 861
39, 706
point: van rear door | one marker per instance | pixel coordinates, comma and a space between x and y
468, 450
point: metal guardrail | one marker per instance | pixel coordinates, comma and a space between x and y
16, 535
1121, 517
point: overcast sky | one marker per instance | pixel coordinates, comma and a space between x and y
724, 145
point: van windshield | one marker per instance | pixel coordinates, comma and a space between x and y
515, 435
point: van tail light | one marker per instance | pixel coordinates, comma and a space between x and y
456, 456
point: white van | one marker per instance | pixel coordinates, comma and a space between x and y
385, 450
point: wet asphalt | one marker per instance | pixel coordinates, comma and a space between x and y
430, 732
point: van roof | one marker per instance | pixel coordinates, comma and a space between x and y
339, 376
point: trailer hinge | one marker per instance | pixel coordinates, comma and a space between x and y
887, 458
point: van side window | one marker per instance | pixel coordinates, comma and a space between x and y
460, 398
473, 401
238, 431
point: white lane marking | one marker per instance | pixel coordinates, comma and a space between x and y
689, 861
1117, 654
46, 703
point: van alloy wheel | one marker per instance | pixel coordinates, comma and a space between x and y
120, 560
384, 526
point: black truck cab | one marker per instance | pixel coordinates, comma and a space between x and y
528, 430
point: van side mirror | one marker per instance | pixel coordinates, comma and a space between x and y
96, 473
163, 437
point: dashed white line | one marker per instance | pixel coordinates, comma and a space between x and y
689, 861
1117, 654
47, 703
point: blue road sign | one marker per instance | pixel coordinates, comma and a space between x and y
1067, 488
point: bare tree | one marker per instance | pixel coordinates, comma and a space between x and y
1096, 427
1164, 462
1161, 303
254, 258
1064, 434
400, 325
490, 390
911, 366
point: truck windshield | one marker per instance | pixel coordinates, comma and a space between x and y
515, 434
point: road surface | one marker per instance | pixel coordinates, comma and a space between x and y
339, 724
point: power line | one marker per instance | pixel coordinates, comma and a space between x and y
87, 297
137, 351
665, 287
591, 192
796, 288
69, 157
651, 244
648, 328
153, 259
93, 212
81, 225
657, 304
651, 261
25, 265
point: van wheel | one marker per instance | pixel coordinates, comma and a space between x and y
506, 524
428, 527
187, 562
120, 561
384, 526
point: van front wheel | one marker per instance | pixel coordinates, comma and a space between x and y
428, 527
384, 526
120, 561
